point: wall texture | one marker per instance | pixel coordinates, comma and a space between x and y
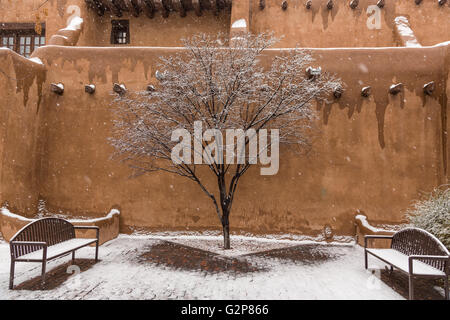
344, 27
158, 31
21, 90
374, 154
317, 27
11, 223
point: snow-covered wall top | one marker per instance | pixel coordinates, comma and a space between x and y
5, 212
11, 223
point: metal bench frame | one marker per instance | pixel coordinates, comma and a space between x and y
417, 244
41, 234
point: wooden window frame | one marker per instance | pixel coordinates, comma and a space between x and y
18, 30
120, 26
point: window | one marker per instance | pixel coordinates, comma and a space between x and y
120, 32
21, 37
8, 42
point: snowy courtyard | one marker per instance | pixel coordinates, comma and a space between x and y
188, 267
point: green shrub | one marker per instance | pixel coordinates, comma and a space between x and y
433, 214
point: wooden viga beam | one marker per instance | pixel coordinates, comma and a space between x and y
178, 5
114, 6
134, 7
163, 7
120, 5
96, 5
199, 5
149, 7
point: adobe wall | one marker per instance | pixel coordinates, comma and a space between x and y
156, 32
96, 31
317, 27
53, 12
20, 100
374, 154
446, 113
344, 27
11, 223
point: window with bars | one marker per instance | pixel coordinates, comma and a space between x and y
120, 32
21, 37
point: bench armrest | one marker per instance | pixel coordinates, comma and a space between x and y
86, 227
430, 257
375, 237
97, 229
25, 243
13, 244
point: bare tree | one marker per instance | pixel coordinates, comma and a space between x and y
223, 87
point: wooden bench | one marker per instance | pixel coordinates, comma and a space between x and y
46, 239
414, 252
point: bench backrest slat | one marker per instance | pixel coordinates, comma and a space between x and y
49, 230
415, 241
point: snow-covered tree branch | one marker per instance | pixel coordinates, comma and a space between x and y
221, 87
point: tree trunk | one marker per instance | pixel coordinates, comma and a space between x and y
225, 206
226, 237
226, 231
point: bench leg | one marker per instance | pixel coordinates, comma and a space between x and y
73, 256
44, 265
96, 251
411, 288
365, 259
11, 274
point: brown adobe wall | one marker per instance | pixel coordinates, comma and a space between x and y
97, 30
32, 11
373, 154
11, 223
446, 113
363, 229
20, 99
344, 27
156, 32
109, 228
318, 27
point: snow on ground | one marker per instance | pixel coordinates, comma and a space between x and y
120, 275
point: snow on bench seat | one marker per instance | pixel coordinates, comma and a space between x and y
400, 261
57, 249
